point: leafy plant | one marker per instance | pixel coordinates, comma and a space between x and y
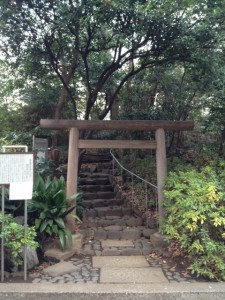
50, 206
79, 206
195, 208
14, 240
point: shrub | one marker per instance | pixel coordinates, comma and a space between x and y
14, 240
195, 208
49, 207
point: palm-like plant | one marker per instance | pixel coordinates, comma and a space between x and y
49, 207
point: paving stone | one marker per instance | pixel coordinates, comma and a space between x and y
88, 203
138, 244
87, 247
113, 228
96, 247
147, 250
89, 196
105, 195
113, 235
110, 252
115, 211
101, 211
91, 213
134, 222
89, 252
147, 232
105, 188
116, 243
130, 251
121, 261
60, 269
112, 202
100, 234
126, 211
90, 188
111, 218
130, 234
132, 275
98, 202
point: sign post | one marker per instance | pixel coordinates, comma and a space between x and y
16, 170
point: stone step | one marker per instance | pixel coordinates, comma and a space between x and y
93, 175
108, 211
93, 181
107, 247
96, 188
102, 203
115, 232
99, 195
126, 221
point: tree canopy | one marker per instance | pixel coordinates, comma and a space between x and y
88, 49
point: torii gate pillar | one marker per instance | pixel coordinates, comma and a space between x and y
161, 165
72, 172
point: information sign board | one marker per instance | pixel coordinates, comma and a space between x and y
17, 169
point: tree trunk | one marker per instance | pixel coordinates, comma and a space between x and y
114, 110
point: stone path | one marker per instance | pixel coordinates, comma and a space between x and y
111, 269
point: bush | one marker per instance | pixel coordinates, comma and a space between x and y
14, 240
49, 207
195, 208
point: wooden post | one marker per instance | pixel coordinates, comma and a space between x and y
72, 173
161, 165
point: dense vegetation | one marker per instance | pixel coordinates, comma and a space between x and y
131, 59
195, 210
84, 59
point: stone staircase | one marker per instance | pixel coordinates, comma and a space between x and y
109, 224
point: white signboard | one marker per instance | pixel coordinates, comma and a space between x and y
17, 170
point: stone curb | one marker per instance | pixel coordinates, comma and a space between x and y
195, 291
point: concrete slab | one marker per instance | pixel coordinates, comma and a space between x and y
60, 269
132, 275
155, 291
116, 243
119, 261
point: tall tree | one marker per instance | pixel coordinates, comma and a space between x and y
89, 44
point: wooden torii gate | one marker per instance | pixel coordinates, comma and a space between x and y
75, 143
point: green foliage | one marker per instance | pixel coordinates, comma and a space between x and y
50, 206
152, 114
18, 138
83, 47
11, 207
14, 239
195, 208
45, 168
